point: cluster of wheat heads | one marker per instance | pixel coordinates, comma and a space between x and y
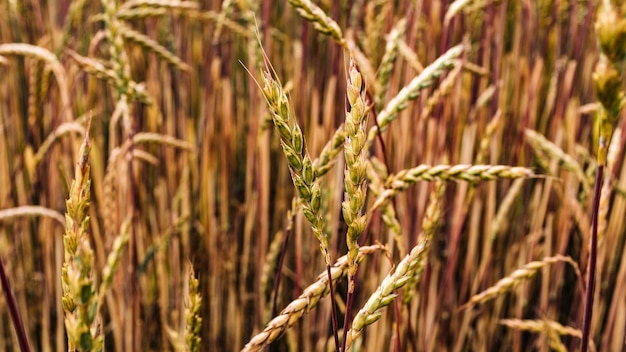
386, 186
384, 140
101, 218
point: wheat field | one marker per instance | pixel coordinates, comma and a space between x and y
299, 175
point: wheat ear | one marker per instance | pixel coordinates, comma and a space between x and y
409, 270
386, 64
540, 326
355, 176
300, 164
543, 146
52, 63
192, 313
153, 46
79, 290
305, 302
322, 22
425, 79
471, 173
165, 4
517, 277
329, 153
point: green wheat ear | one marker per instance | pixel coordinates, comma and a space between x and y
192, 313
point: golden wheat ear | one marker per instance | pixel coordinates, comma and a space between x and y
80, 301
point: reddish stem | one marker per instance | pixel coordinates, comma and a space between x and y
591, 281
13, 311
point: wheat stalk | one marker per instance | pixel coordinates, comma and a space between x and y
305, 302
388, 212
483, 146
607, 79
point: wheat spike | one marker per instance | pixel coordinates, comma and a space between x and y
79, 289
471, 173
425, 79
329, 153
541, 145
151, 45
303, 304
517, 277
408, 270
322, 22
356, 167
386, 65
29, 211
303, 174
540, 326
193, 340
